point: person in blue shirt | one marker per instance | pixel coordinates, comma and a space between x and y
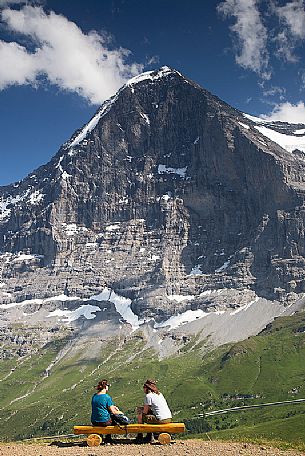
102, 407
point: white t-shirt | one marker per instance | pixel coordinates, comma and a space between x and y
158, 405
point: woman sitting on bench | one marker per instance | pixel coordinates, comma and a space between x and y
155, 410
102, 406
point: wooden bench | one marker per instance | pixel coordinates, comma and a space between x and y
164, 430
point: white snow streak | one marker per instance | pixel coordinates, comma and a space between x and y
163, 169
245, 307
145, 117
181, 319
196, 270
180, 298
288, 142
122, 306
38, 301
223, 267
67, 316
151, 76
244, 125
36, 197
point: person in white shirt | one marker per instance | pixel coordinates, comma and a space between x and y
155, 410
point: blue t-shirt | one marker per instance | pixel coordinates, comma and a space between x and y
100, 404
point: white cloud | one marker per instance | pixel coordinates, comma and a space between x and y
287, 112
274, 90
10, 2
251, 35
4, 3
66, 56
293, 15
285, 47
17, 66
292, 21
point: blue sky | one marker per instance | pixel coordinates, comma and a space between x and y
59, 59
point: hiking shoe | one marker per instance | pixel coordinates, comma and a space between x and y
139, 439
148, 438
108, 439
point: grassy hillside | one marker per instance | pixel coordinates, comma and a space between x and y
268, 367
282, 432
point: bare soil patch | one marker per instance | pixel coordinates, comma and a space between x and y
179, 448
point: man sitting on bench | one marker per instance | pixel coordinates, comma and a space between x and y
155, 410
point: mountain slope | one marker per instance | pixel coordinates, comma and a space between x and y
264, 368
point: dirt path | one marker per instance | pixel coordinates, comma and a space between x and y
180, 448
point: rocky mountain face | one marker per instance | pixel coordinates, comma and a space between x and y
170, 201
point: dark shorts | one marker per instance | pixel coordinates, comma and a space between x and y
103, 424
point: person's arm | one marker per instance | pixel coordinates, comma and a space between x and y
146, 409
114, 409
147, 405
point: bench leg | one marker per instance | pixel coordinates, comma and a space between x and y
164, 438
94, 440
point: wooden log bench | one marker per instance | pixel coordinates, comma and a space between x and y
164, 430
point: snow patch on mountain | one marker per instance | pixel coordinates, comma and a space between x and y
122, 306
224, 266
182, 318
151, 76
86, 310
163, 169
36, 197
72, 229
104, 109
288, 142
255, 119
196, 270
180, 298
245, 307
145, 117
6, 203
59, 298
288, 139
244, 125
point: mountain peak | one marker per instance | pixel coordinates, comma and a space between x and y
152, 75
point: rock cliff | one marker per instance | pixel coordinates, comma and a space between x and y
167, 195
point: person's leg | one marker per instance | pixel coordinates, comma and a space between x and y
139, 410
108, 437
140, 414
149, 419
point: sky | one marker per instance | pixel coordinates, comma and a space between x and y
60, 59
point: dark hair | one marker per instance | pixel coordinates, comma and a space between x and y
102, 385
151, 385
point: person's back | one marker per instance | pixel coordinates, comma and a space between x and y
101, 403
158, 405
